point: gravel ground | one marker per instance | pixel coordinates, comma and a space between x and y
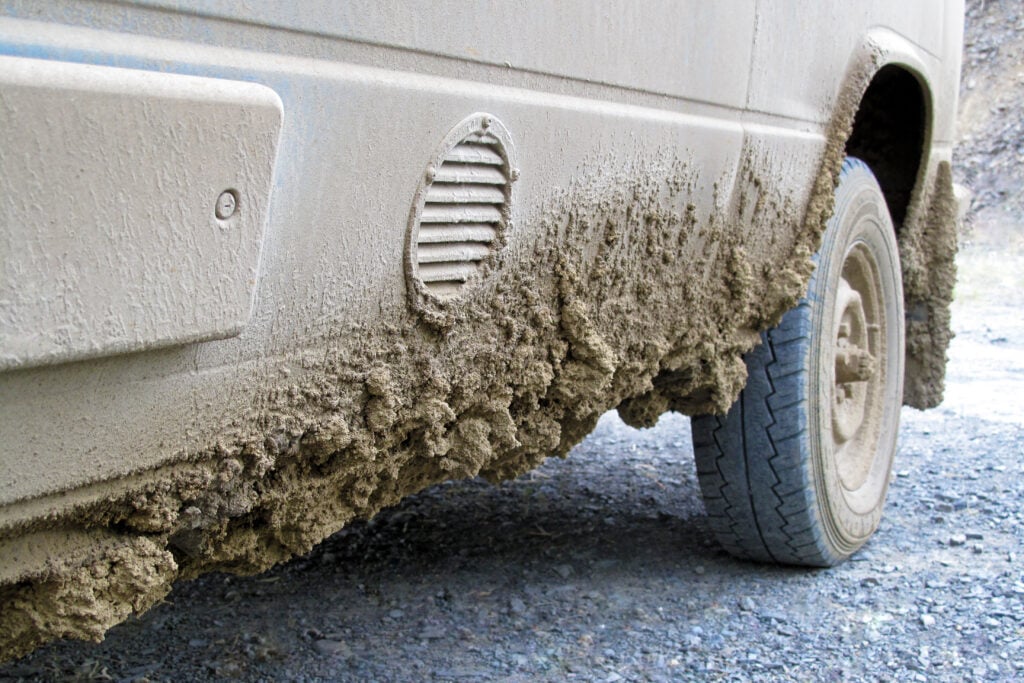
602, 567
990, 156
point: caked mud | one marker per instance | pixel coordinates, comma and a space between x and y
928, 246
616, 292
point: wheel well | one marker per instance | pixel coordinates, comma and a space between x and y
889, 133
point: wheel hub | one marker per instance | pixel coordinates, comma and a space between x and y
856, 368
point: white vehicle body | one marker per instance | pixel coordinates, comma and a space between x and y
217, 342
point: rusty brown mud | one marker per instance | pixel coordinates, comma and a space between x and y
617, 293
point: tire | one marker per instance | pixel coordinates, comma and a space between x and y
797, 471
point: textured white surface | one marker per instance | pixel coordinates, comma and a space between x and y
656, 46
109, 240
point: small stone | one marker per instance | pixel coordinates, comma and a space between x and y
517, 606
331, 648
957, 540
563, 570
974, 536
432, 632
396, 614
927, 620
747, 605
228, 670
772, 616
978, 548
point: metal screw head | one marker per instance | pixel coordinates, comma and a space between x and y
226, 205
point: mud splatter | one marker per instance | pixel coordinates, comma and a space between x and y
599, 308
620, 293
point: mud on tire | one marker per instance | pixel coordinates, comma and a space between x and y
797, 471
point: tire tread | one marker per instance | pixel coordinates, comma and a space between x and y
756, 495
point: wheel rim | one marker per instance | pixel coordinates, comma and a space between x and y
858, 378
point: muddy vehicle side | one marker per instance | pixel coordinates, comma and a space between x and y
268, 269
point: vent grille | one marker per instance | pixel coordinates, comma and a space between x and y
463, 211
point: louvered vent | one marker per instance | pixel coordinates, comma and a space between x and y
464, 207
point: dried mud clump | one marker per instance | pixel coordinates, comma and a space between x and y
85, 597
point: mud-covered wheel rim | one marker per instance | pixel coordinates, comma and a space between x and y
857, 354
857, 379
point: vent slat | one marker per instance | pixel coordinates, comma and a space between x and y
453, 252
469, 173
460, 213
482, 138
465, 193
433, 233
468, 153
446, 272
444, 290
